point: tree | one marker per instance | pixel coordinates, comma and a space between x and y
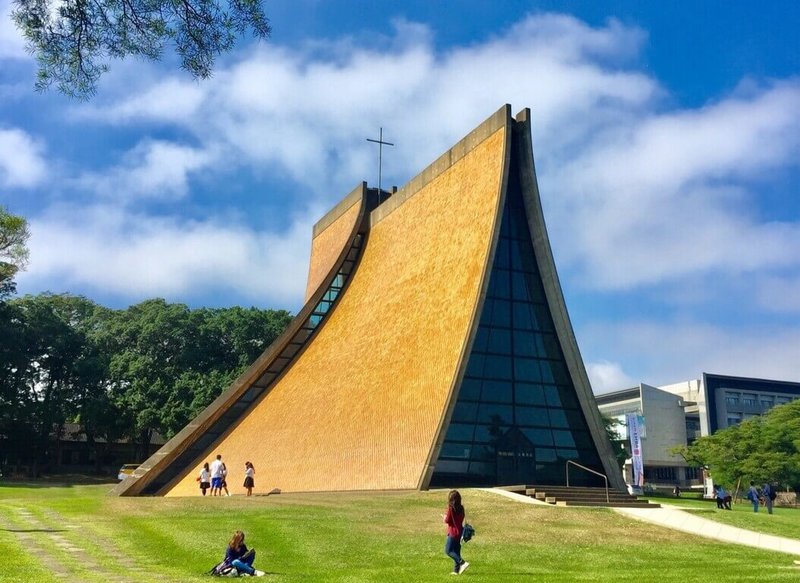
14, 234
62, 375
763, 449
73, 40
612, 426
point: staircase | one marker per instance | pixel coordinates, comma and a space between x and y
582, 496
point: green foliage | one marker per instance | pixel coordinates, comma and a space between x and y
763, 449
617, 444
74, 40
14, 235
117, 373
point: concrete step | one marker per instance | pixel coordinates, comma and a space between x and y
596, 504
586, 496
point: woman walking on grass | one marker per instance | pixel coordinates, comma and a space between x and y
454, 519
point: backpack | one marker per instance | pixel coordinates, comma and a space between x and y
467, 533
224, 569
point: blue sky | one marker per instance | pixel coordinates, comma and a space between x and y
666, 137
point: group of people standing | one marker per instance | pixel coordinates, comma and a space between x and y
766, 496
757, 496
214, 477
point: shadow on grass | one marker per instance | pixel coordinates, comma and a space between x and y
34, 529
57, 481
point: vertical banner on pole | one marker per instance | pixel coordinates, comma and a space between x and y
635, 426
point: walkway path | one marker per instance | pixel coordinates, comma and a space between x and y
65, 548
675, 518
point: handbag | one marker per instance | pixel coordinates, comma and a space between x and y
467, 532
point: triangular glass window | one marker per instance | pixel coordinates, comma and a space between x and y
517, 419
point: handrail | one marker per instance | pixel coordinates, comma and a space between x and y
608, 500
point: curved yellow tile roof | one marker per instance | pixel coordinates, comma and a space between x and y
363, 405
329, 242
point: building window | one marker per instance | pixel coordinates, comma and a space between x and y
692, 473
734, 418
517, 419
732, 399
692, 429
662, 474
766, 403
749, 400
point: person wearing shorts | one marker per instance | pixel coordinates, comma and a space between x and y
217, 475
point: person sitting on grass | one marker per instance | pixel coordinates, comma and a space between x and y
238, 556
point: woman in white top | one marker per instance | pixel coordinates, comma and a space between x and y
249, 472
205, 478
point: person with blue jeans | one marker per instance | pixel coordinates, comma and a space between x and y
454, 519
238, 556
752, 495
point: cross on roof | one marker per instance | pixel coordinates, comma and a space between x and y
381, 144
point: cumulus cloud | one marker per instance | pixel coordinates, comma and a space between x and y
152, 169
607, 376
22, 161
657, 353
133, 256
640, 196
307, 112
668, 195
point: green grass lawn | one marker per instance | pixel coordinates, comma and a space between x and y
78, 533
782, 522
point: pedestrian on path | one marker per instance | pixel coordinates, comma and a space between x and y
752, 495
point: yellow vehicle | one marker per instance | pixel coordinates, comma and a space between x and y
126, 470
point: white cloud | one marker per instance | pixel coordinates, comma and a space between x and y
134, 256
663, 352
152, 169
607, 376
168, 100
12, 45
22, 162
640, 196
307, 113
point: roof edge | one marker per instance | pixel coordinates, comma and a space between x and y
500, 118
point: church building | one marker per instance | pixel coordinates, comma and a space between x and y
434, 348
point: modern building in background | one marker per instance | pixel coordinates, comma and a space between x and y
434, 348
679, 413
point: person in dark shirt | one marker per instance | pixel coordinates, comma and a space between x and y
454, 519
237, 555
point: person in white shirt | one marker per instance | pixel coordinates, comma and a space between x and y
205, 478
249, 472
217, 476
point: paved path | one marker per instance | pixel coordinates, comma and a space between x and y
62, 547
675, 518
